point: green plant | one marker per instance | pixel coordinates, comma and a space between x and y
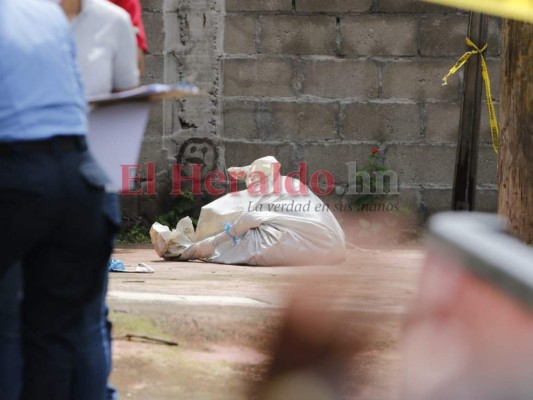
134, 235
184, 205
369, 181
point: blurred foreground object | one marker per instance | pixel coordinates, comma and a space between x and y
311, 355
469, 336
521, 10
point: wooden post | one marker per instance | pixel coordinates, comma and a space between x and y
465, 181
515, 163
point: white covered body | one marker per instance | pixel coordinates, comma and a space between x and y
277, 227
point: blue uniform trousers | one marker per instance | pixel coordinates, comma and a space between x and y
54, 239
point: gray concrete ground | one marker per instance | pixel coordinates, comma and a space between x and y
225, 317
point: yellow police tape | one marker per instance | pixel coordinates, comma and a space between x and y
494, 129
521, 10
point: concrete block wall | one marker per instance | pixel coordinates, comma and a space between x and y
320, 81
185, 39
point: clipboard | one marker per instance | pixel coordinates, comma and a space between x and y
152, 92
117, 123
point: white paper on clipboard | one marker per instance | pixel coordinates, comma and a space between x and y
115, 137
117, 123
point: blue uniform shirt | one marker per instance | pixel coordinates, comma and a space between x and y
41, 94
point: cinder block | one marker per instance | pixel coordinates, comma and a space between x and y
443, 122
192, 116
258, 5
302, 121
192, 32
153, 69
151, 152
400, 226
420, 80
174, 67
201, 67
186, 151
486, 200
443, 36
240, 154
334, 6
436, 200
155, 122
379, 35
298, 34
239, 34
341, 79
412, 6
417, 164
381, 122
439, 200
407, 201
196, 5
487, 166
152, 5
334, 158
155, 31
240, 119
494, 38
257, 77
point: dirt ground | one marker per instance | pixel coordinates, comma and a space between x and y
224, 318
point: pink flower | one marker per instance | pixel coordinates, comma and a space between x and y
374, 150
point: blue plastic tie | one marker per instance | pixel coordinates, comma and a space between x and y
227, 229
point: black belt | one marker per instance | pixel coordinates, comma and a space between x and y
54, 145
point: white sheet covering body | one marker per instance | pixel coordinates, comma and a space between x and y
277, 227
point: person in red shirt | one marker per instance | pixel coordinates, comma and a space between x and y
133, 7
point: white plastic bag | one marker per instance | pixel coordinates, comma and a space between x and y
166, 241
276, 227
